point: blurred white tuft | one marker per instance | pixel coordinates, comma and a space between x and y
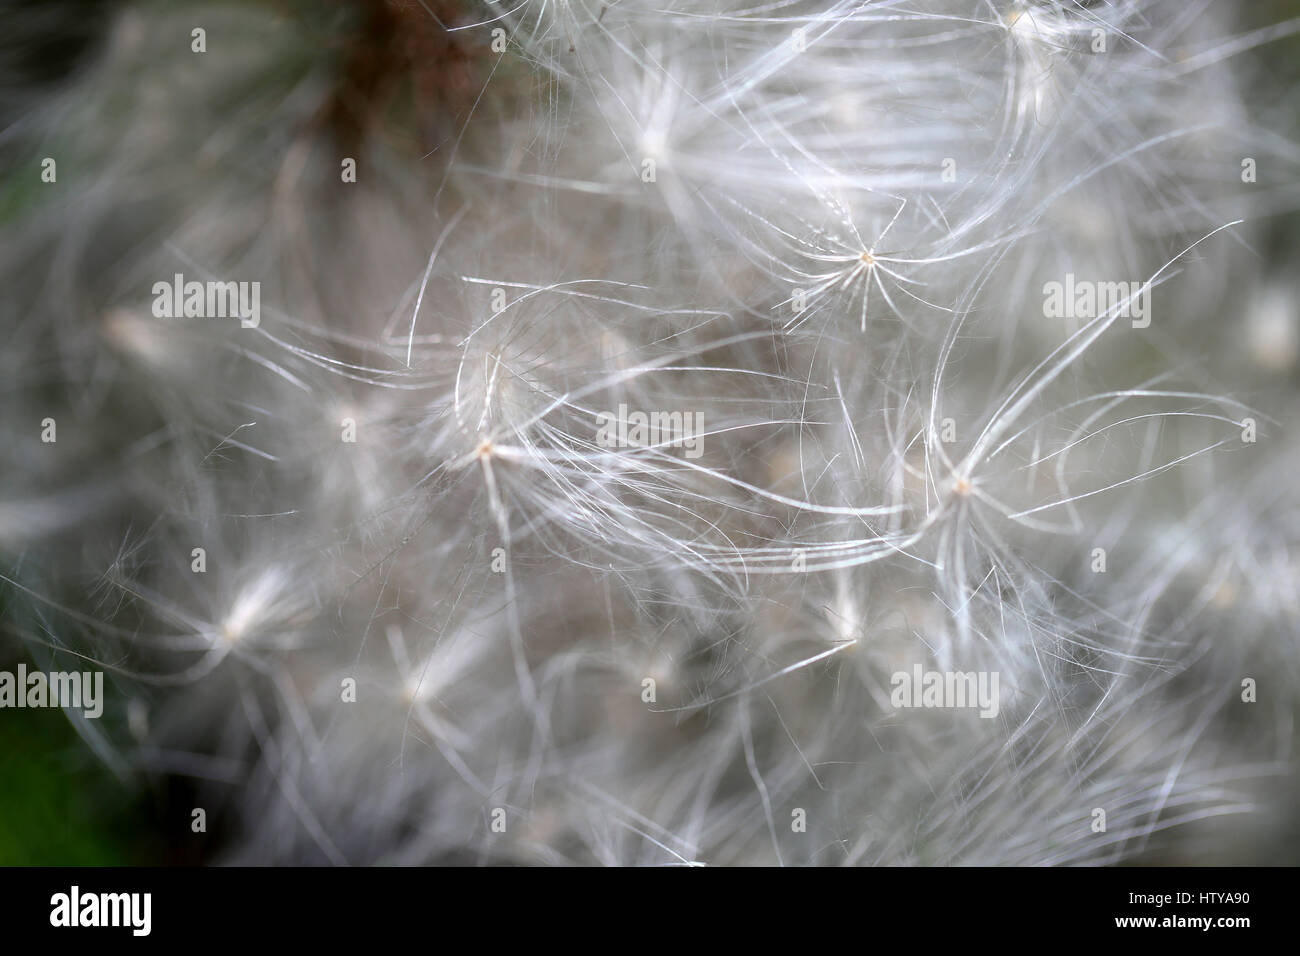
440, 617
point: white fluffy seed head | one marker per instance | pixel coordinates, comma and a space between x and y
823, 232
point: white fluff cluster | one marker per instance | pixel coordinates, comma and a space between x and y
438, 616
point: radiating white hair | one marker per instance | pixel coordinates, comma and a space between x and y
434, 619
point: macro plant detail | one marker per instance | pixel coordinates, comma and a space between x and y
567, 432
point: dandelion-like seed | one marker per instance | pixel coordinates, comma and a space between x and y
656, 446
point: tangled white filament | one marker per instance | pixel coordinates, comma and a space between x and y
439, 620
